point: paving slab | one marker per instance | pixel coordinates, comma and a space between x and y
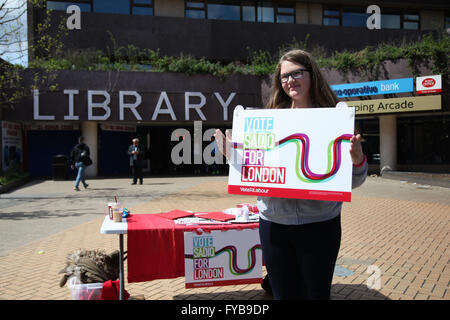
395, 240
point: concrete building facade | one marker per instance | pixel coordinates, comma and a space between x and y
109, 108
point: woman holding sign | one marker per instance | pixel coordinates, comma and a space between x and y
300, 238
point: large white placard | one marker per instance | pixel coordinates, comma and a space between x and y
292, 153
222, 258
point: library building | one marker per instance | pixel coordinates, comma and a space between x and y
403, 112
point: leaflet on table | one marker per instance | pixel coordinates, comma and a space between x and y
222, 258
292, 153
197, 220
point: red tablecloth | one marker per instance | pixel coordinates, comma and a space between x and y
156, 246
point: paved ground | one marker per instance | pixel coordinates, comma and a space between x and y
42, 208
394, 231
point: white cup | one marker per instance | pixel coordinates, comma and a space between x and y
117, 212
245, 213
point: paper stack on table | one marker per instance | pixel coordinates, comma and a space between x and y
243, 213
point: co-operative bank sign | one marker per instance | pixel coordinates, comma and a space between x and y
373, 88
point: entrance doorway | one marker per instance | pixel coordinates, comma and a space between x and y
159, 145
370, 132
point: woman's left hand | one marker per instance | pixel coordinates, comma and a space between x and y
356, 151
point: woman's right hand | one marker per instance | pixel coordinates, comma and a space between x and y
223, 142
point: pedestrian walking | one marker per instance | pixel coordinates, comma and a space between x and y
80, 159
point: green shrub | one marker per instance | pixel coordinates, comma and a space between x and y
432, 48
11, 175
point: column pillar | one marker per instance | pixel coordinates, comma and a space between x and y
388, 142
89, 131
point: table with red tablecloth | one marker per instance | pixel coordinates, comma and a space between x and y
155, 245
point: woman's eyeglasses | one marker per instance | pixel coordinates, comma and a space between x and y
297, 74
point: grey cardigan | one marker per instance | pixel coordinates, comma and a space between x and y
301, 211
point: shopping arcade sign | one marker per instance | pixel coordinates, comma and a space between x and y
395, 105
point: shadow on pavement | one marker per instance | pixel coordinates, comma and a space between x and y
226, 295
43, 214
355, 292
338, 292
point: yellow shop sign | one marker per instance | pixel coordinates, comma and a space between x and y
407, 104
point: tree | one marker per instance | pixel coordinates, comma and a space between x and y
13, 37
14, 48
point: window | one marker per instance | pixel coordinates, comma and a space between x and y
108, 6
447, 21
85, 6
354, 17
411, 21
248, 11
357, 17
195, 9
331, 16
224, 10
262, 11
390, 21
345, 17
142, 7
423, 140
369, 129
285, 13
254, 11
265, 11
393, 20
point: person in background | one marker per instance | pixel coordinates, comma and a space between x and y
214, 167
79, 153
301, 238
136, 152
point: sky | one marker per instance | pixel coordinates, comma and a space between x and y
13, 45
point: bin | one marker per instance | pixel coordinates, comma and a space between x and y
87, 291
60, 167
84, 291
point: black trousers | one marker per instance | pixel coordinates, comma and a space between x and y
300, 259
137, 172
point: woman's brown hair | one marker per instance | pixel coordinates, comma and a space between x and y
320, 92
